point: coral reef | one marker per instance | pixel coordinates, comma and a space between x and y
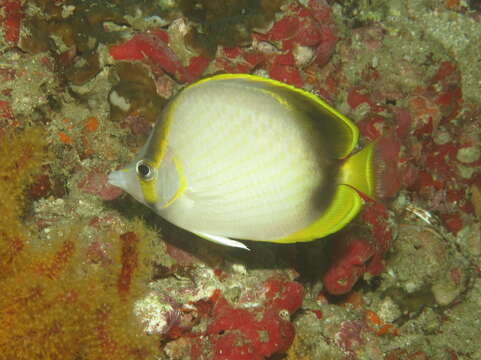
84, 271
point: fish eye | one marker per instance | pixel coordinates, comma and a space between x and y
144, 170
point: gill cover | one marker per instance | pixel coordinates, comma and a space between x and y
161, 185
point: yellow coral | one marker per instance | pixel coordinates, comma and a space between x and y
60, 307
21, 156
56, 300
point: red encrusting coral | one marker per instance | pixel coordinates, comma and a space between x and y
152, 48
6, 110
310, 26
129, 260
353, 255
349, 263
435, 176
284, 295
196, 67
253, 333
388, 167
259, 338
355, 98
12, 19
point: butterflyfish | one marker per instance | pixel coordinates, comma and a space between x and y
241, 157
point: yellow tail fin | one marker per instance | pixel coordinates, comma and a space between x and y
358, 171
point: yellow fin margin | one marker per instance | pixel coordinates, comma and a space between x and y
347, 132
343, 208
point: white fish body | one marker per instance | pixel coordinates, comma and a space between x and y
236, 157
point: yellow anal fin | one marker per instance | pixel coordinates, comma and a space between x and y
345, 205
358, 171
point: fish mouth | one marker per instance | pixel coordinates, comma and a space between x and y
117, 178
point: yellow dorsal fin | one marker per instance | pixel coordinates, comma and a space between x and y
344, 207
